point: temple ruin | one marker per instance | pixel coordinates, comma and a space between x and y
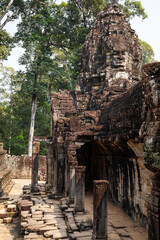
105, 141
111, 123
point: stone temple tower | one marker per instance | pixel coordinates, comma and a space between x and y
111, 58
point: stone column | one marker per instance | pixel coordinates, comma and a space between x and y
100, 188
50, 168
72, 182
35, 155
60, 169
80, 188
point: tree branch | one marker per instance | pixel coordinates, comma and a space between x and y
7, 9
5, 22
9, 19
58, 45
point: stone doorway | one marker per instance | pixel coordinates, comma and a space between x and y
93, 155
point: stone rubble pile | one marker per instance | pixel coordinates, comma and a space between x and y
8, 210
44, 218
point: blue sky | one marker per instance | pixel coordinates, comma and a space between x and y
148, 30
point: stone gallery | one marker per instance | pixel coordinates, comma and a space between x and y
105, 140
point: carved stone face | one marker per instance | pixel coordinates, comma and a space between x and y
112, 49
119, 59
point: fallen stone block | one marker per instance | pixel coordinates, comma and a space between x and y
59, 234
36, 212
69, 210
35, 227
86, 238
4, 213
48, 217
12, 214
37, 217
26, 197
83, 235
49, 234
31, 221
87, 224
7, 220
51, 222
25, 205
47, 228
48, 210
64, 207
33, 236
49, 201
2, 206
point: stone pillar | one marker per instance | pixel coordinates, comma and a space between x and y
60, 169
80, 188
50, 168
72, 176
54, 188
35, 154
100, 188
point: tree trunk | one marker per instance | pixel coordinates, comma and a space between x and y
85, 20
31, 130
68, 72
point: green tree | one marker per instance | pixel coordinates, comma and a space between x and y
89, 9
39, 33
133, 9
148, 53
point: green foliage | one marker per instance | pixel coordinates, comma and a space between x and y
89, 9
133, 9
5, 44
148, 53
14, 125
7, 83
18, 145
2, 124
43, 148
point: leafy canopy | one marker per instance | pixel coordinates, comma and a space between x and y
148, 53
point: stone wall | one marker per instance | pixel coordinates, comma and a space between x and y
22, 165
5, 174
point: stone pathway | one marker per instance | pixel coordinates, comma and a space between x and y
44, 218
120, 225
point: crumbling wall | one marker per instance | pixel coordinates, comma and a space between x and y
5, 174
22, 165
